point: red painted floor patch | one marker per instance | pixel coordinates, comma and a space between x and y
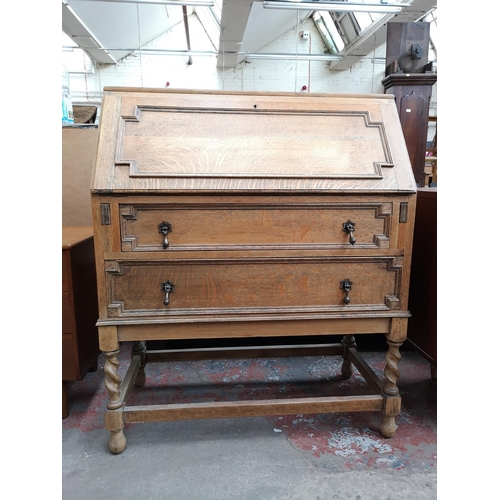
350, 440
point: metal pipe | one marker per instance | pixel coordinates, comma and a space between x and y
335, 6
186, 27
248, 55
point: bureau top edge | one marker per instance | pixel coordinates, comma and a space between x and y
153, 90
249, 191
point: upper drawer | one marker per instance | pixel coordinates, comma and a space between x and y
251, 227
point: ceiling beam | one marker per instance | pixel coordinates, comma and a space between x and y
376, 36
78, 31
233, 23
96, 25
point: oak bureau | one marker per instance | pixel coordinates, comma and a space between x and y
240, 214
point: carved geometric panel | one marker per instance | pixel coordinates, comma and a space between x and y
165, 142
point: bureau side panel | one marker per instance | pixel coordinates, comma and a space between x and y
406, 228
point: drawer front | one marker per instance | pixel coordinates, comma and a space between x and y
259, 285
205, 227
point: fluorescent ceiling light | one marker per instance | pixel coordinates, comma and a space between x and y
292, 57
382, 8
167, 52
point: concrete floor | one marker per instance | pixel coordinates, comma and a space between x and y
299, 457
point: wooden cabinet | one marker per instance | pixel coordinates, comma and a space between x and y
223, 215
413, 93
422, 326
410, 79
80, 348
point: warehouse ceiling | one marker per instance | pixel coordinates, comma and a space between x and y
109, 30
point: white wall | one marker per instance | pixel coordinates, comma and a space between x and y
270, 75
143, 70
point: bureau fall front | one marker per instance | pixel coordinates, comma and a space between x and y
222, 215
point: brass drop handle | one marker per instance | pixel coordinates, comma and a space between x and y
346, 285
164, 228
167, 288
348, 227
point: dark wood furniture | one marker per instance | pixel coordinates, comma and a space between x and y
407, 48
80, 346
410, 79
413, 95
422, 326
222, 215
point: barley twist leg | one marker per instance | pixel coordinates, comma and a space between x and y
112, 380
114, 413
393, 400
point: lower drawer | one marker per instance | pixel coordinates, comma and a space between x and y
208, 287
